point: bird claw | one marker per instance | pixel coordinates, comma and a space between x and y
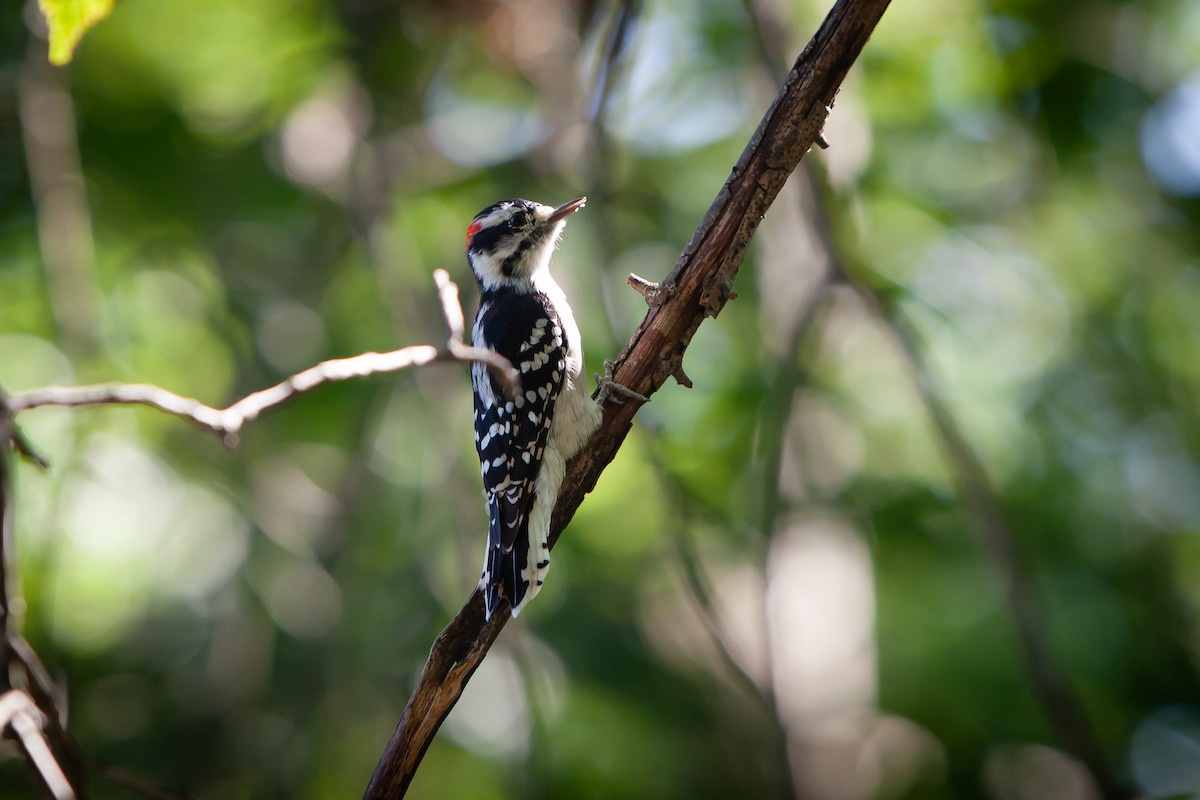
609, 389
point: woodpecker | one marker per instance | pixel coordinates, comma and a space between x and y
524, 442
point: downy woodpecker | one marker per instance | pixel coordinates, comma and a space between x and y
524, 442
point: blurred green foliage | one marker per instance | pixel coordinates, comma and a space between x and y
216, 194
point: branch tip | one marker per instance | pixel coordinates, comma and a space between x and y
655, 293
451, 306
26, 450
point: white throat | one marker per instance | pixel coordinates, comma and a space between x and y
531, 271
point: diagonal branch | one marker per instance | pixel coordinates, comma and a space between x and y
698, 287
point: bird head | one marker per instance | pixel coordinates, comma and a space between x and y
510, 242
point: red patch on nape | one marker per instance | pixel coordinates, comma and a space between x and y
472, 229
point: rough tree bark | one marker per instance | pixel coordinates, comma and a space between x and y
698, 287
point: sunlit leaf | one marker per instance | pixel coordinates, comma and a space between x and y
69, 20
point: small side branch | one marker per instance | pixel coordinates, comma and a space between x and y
230, 420
655, 293
18, 712
456, 350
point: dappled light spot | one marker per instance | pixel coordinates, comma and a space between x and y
480, 131
291, 336
302, 598
821, 617
137, 532
1035, 772
676, 98
493, 717
1165, 751
319, 138
1171, 139
1162, 476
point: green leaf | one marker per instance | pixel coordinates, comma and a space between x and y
68, 21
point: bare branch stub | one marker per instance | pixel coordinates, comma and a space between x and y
508, 375
655, 293
681, 377
451, 307
655, 351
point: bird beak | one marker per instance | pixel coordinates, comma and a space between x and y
566, 209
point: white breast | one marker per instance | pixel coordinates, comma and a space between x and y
576, 415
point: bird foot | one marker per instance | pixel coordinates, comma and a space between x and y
609, 389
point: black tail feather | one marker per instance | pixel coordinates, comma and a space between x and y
502, 569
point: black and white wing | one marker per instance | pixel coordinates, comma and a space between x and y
511, 435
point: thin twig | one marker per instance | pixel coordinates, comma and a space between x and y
229, 420
64, 223
623, 18
701, 591
18, 711
701, 281
6, 552
45, 692
20, 666
135, 783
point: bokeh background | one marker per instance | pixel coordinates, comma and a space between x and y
791, 581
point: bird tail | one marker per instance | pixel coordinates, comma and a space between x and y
515, 574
